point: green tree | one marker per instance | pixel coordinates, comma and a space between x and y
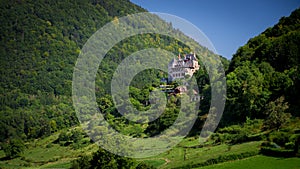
104, 159
276, 113
247, 93
14, 148
81, 163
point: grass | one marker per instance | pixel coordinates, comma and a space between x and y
43, 153
189, 142
155, 163
259, 161
58, 165
14, 163
180, 156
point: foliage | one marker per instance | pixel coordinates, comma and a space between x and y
143, 165
281, 137
39, 44
14, 148
276, 113
247, 93
37, 155
103, 159
251, 130
40, 41
221, 159
264, 69
259, 161
277, 152
81, 163
76, 137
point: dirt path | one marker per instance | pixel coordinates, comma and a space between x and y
166, 161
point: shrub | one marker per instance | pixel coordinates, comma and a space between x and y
13, 148
234, 129
143, 165
49, 145
256, 137
276, 152
279, 137
289, 145
221, 159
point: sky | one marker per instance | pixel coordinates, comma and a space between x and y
228, 24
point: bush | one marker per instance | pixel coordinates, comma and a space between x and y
144, 166
81, 163
236, 134
222, 138
63, 138
289, 145
279, 137
239, 138
221, 159
14, 148
49, 145
277, 152
234, 129
270, 144
256, 137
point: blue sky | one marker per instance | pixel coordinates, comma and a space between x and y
228, 24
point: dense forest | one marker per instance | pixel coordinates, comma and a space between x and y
264, 70
41, 40
38, 53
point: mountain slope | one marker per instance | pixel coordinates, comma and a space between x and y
39, 44
265, 69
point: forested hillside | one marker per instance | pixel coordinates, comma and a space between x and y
264, 70
40, 43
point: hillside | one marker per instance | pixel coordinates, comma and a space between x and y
40, 42
265, 69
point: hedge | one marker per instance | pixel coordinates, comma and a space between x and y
221, 159
276, 152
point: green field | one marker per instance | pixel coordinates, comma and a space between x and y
259, 162
43, 153
181, 156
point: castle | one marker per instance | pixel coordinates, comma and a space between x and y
181, 67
